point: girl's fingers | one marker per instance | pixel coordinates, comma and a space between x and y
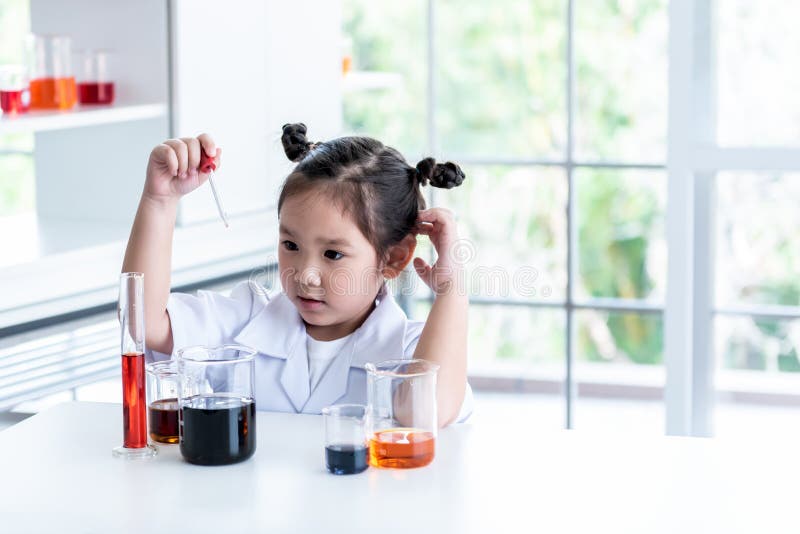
423, 269
423, 228
193, 147
434, 215
182, 152
168, 157
210, 147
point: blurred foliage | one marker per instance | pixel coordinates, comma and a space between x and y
500, 84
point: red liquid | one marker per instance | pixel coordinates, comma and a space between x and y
15, 101
401, 447
96, 92
134, 406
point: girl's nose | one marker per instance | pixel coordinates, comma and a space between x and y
310, 277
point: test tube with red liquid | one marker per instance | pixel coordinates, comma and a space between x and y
134, 403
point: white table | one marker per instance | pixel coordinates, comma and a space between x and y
57, 475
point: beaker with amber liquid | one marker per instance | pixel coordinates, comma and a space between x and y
402, 420
162, 401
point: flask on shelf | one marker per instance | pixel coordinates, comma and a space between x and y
14, 91
95, 85
52, 81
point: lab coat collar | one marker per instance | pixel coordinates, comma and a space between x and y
278, 331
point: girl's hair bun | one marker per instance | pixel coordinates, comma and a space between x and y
294, 141
445, 175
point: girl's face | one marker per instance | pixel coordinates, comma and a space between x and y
328, 268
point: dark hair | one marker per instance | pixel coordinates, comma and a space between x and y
370, 181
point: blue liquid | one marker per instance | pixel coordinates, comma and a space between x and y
346, 459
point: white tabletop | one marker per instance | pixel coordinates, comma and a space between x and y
57, 475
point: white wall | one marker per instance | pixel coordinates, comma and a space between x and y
241, 72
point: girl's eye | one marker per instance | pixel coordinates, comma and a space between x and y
333, 255
288, 245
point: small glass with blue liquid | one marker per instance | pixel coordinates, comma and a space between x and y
346, 449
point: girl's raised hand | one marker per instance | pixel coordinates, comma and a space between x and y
173, 168
439, 224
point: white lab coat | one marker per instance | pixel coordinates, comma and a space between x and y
274, 328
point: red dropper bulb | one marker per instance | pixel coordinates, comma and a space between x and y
206, 162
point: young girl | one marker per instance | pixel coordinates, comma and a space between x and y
349, 214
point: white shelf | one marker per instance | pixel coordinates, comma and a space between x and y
48, 279
39, 121
369, 80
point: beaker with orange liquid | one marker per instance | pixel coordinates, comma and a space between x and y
402, 422
52, 81
163, 382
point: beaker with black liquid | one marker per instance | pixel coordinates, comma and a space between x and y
345, 438
217, 418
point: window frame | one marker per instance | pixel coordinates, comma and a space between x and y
569, 164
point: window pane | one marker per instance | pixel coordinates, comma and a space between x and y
621, 80
756, 379
501, 75
619, 371
14, 25
757, 239
757, 76
515, 363
621, 239
512, 222
517, 342
385, 94
757, 344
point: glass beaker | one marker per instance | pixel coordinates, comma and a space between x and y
217, 418
162, 401
15, 96
402, 421
134, 407
95, 85
345, 438
52, 81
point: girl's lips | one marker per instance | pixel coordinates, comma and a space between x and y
310, 304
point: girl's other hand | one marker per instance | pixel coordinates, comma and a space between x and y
173, 168
439, 224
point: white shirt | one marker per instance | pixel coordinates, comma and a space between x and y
273, 327
320, 356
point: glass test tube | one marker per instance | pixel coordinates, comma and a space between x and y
134, 407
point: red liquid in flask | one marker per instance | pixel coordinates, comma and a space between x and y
15, 101
96, 92
134, 405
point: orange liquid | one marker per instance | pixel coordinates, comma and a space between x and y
53, 93
401, 447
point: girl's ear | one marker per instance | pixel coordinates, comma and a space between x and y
399, 255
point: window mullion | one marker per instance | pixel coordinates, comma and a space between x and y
572, 232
